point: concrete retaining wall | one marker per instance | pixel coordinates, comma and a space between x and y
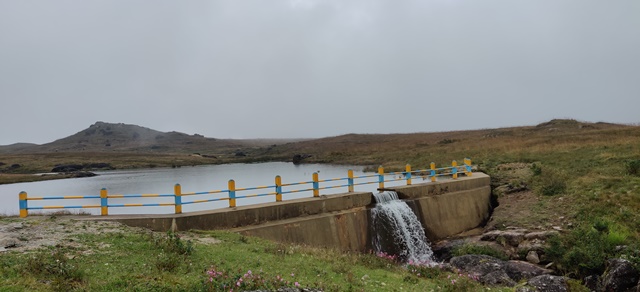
341, 221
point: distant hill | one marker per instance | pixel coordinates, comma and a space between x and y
108, 137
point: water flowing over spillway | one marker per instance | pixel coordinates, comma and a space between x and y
398, 230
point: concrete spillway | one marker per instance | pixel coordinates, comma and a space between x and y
342, 221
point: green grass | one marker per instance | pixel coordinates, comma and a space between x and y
138, 261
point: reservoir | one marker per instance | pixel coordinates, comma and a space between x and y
192, 179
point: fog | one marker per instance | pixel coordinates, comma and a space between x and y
304, 69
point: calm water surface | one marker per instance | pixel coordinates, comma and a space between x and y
192, 179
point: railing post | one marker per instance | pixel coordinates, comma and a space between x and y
24, 210
177, 191
454, 169
407, 170
232, 193
467, 165
104, 206
433, 171
278, 188
381, 177
350, 180
316, 185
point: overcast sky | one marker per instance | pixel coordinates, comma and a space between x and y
281, 69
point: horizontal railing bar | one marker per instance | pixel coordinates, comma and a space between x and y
205, 201
64, 207
298, 183
366, 176
297, 191
64, 198
366, 183
116, 196
254, 188
333, 179
333, 187
204, 193
255, 195
141, 205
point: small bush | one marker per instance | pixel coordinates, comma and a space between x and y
585, 250
55, 266
172, 243
633, 167
478, 249
550, 182
167, 262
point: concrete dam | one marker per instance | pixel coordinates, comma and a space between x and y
343, 221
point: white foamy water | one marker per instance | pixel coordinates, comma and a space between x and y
398, 230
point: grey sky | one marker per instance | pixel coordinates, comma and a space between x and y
278, 69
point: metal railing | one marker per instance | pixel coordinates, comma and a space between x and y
278, 189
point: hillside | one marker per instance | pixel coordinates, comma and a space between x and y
109, 137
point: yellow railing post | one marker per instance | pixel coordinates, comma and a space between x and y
407, 170
104, 206
350, 180
24, 211
316, 185
381, 177
177, 191
433, 171
454, 170
467, 162
278, 188
232, 193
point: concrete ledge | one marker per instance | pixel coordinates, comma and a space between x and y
247, 215
426, 189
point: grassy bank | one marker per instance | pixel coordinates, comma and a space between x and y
103, 259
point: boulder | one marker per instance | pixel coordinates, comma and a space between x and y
67, 168
532, 257
493, 271
620, 275
508, 237
8, 242
549, 283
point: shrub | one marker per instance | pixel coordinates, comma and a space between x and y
55, 266
550, 182
172, 243
633, 167
585, 250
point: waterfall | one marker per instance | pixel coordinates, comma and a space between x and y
398, 230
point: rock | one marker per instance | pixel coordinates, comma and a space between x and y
592, 282
519, 270
8, 242
532, 257
67, 168
548, 283
442, 250
493, 271
509, 237
297, 159
542, 235
240, 154
620, 275
83, 174
496, 278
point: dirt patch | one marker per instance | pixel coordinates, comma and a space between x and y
25, 234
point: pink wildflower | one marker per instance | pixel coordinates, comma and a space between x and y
297, 284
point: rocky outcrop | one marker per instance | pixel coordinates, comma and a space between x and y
620, 275
521, 244
545, 283
298, 158
67, 168
493, 271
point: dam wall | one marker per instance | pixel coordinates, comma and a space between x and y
445, 208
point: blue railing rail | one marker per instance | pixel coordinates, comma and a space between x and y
278, 189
